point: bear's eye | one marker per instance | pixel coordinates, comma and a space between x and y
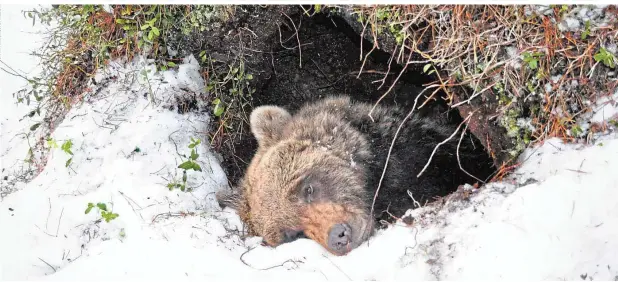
308, 192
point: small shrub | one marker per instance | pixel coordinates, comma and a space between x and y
189, 164
105, 214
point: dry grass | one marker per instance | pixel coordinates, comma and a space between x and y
520, 61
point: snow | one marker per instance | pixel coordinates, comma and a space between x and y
575, 19
555, 218
16, 42
606, 109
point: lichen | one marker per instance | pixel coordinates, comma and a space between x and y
206, 17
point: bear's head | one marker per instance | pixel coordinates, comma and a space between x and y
307, 179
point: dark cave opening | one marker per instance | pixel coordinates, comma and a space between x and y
327, 63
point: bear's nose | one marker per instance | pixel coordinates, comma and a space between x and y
292, 235
339, 238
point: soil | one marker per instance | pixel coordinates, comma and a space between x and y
328, 63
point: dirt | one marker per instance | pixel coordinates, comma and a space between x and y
328, 63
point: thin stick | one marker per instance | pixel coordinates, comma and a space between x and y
414, 200
59, 219
390, 149
442, 143
53, 268
300, 51
267, 268
390, 88
463, 132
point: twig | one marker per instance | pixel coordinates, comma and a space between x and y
346, 275
48, 213
53, 268
12, 71
300, 52
267, 268
474, 95
129, 200
390, 88
390, 149
414, 200
59, 219
442, 143
463, 132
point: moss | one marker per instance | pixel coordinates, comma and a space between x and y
520, 136
397, 31
576, 131
204, 18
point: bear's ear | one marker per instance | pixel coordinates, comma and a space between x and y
267, 124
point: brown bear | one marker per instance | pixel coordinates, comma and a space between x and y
316, 172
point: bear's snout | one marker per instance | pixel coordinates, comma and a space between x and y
339, 238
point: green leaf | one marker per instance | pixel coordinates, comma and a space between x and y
144, 27
170, 186
66, 147
90, 206
35, 126
155, 30
109, 216
150, 35
218, 110
171, 64
426, 68
249, 77
194, 155
196, 167
598, 56
68, 162
533, 64
102, 206
51, 143
605, 57
186, 165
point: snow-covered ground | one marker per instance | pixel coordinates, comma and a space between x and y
17, 39
556, 218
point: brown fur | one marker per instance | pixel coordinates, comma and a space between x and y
289, 150
317, 168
